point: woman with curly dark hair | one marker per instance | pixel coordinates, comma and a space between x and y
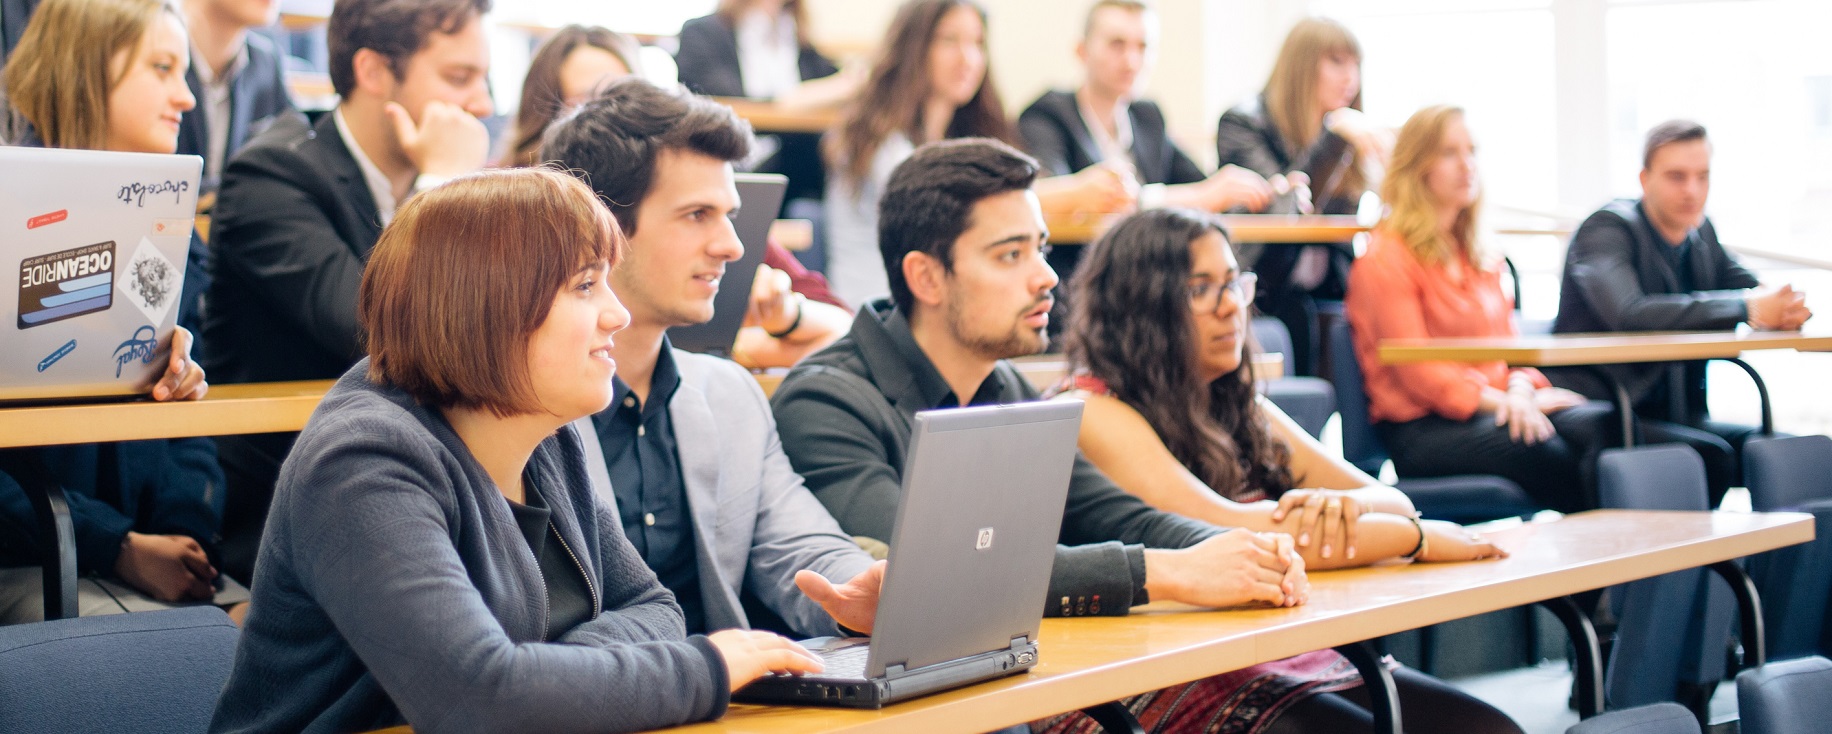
1158, 348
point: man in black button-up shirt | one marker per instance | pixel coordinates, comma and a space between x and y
637, 437
690, 451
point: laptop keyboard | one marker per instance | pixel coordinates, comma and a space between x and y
846, 662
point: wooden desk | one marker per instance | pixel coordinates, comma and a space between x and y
267, 407
1264, 228
1560, 350
1092, 660
1591, 350
768, 117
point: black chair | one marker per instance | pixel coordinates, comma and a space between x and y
1660, 718
1787, 697
1308, 400
1674, 629
1462, 498
1793, 474
145, 671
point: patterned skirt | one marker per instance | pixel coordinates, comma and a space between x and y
1241, 702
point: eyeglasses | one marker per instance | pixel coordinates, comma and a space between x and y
1206, 295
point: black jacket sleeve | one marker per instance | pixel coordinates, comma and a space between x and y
708, 58
1240, 140
1601, 266
1046, 139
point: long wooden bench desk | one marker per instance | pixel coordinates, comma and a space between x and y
1088, 661
1263, 228
1593, 350
769, 117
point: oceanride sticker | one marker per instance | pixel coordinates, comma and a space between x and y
149, 281
66, 284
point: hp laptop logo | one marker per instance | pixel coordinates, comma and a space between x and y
985, 539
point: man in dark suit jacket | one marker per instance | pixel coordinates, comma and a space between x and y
708, 63
236, 77
1656, 265
302, 205
1103, 123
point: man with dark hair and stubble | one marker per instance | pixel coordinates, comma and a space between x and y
301, 206
964, 243
1655, 264
964, 246
688, 447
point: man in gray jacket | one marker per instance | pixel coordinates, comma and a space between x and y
688, 446
964, 246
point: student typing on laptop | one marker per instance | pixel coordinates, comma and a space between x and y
688, 442
144, 512
301, 205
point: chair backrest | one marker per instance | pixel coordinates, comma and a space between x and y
1786, 473
1360, 444
144, 671
1674, 627
1786, 697
1659, 718
1273, 338
1664, 477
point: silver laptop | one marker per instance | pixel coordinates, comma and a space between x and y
94, 246
759, 199
971, 552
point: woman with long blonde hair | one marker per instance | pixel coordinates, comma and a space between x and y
1306, 126
1426, 274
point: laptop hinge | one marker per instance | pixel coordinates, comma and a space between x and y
1020, 642
893, 671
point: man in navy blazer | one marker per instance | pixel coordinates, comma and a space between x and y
302, 204
13, 17
236, 77
689, 455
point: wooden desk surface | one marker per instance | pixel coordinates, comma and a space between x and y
1555, 350
1093, 660
1265, 228
264, 407
767, 117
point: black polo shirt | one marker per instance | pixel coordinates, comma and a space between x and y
638, 441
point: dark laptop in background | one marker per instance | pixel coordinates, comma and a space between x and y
759, 199
971, 552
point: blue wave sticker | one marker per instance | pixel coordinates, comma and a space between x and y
63, 351
66, 284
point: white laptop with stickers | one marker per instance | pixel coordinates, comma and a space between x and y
94, 246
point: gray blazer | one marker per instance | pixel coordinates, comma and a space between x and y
754, 524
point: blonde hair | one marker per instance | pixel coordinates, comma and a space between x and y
61, 74
1291, 89
1413, 211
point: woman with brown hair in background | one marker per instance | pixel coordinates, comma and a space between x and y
564, 72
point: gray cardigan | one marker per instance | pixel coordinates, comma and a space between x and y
846, 413
394, 587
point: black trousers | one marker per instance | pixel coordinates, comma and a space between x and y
1559, 473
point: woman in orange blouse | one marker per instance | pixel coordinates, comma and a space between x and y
1424, 275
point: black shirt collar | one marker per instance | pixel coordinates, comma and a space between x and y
662, 383
904, 371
